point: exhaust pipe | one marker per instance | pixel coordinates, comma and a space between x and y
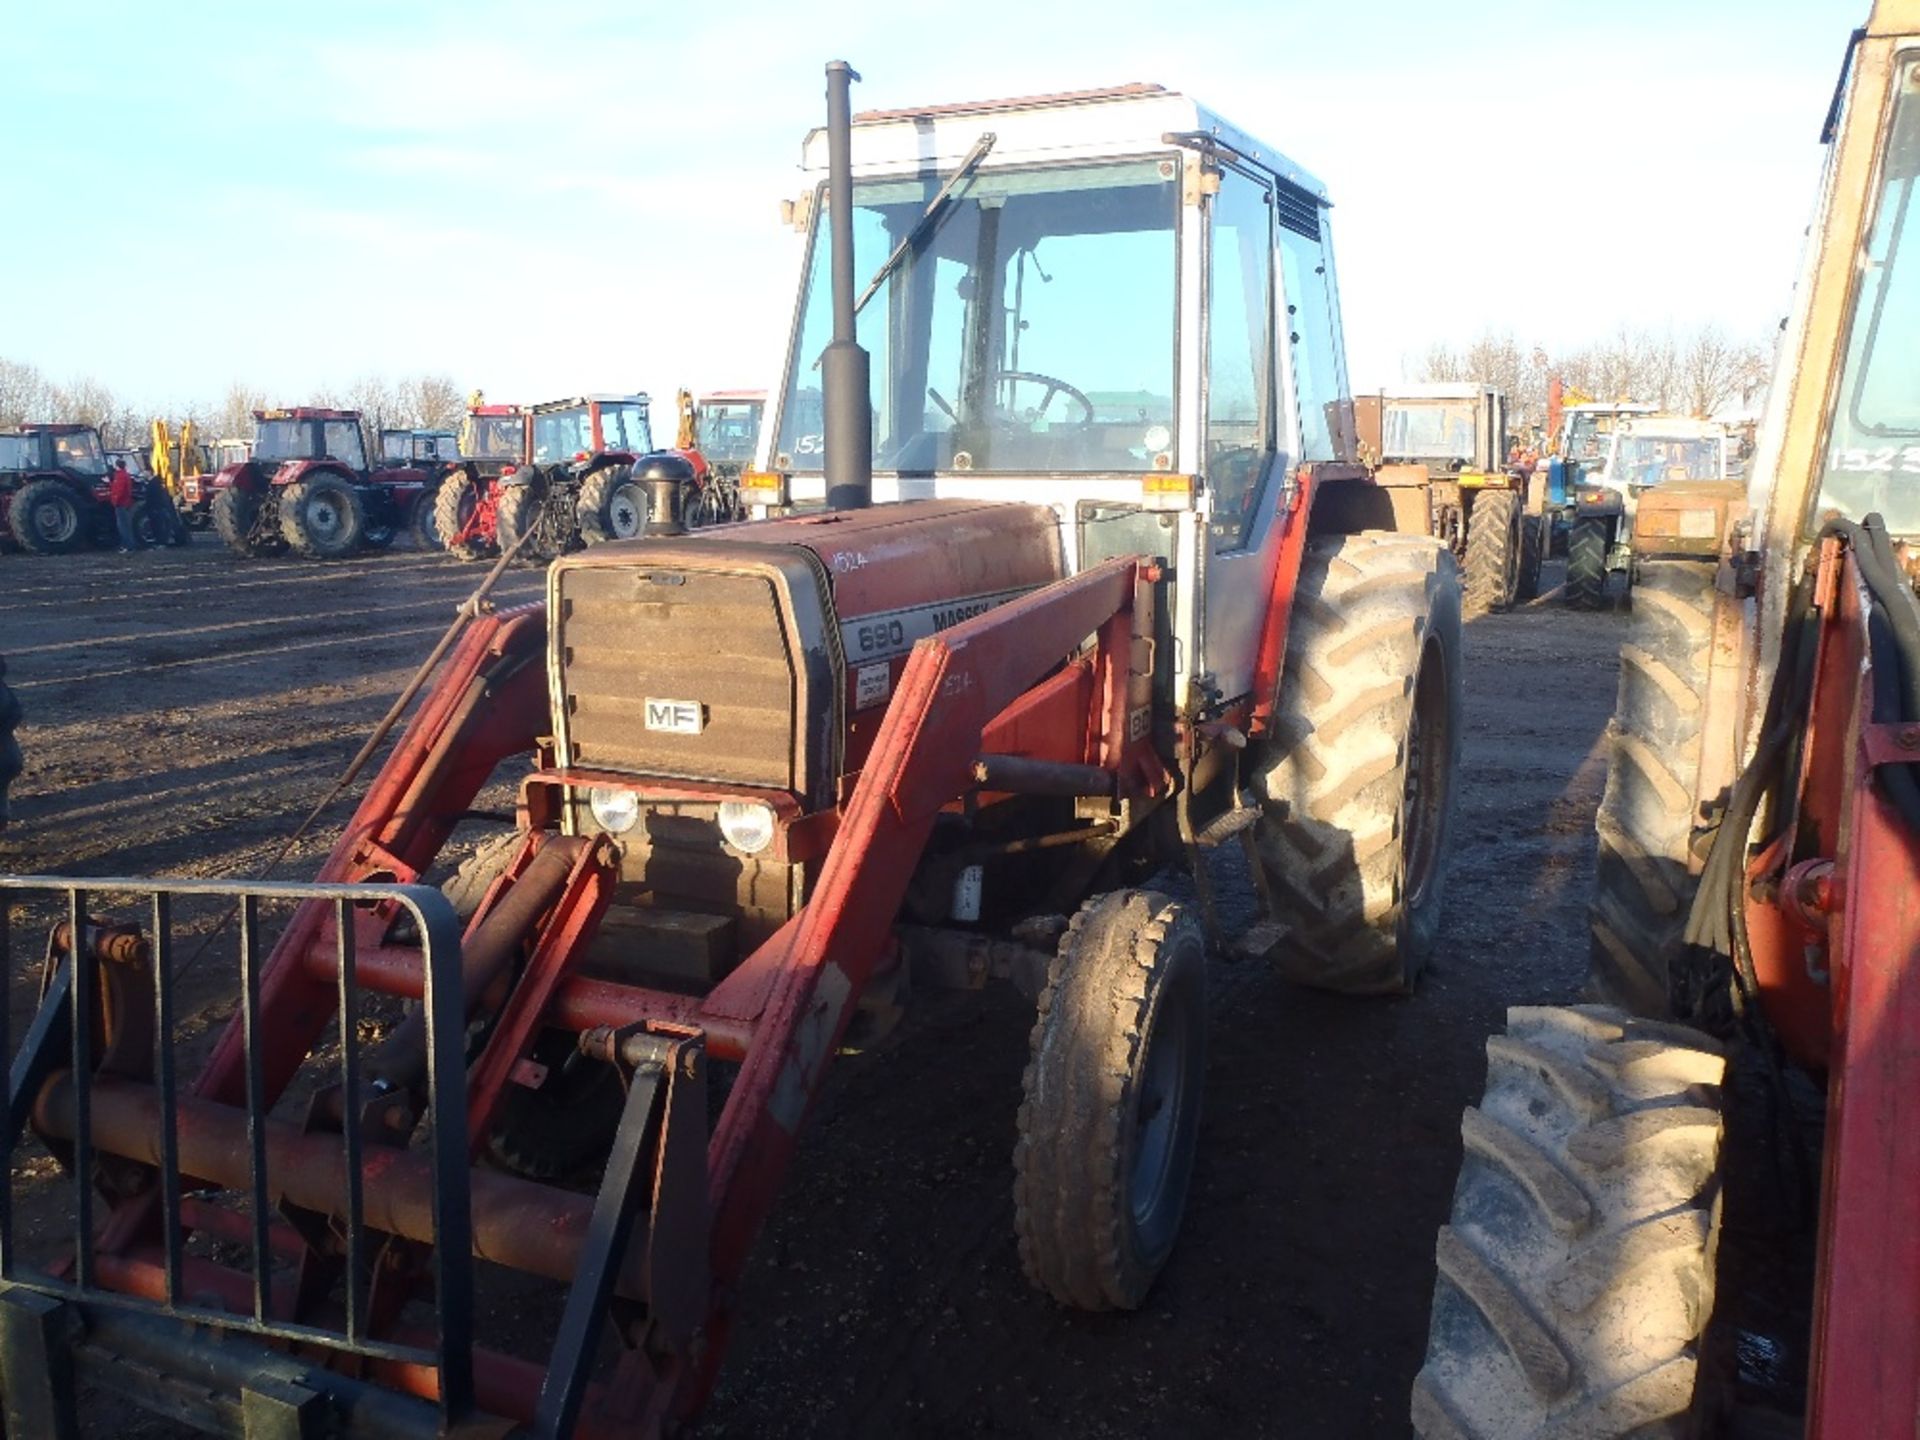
844, 366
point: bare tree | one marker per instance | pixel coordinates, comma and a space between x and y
231, 418
429, 402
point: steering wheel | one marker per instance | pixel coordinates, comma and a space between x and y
1053, 386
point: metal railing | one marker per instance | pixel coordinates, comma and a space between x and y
69, 1004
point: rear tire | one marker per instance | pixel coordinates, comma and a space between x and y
612, 506
454, 506
521, 509
321, 517
1587, 564
1494, 548
236, 518
1644, 881
1357, 781
425, 519
46, 519
1576, 1273
1111, 1114
1535, 532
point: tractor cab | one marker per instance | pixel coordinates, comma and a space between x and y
285, 435
493, 433
578, 486
53, 489
568, 432
727, 427
1452, 428
423, 448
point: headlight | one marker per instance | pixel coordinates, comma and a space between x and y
615, 811
747, 825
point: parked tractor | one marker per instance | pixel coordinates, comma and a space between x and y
723, 429
1004, 652
1492, 517
307, 487
1641, 451
578, 486
197, 487
53, 491
1759, 855
492, 444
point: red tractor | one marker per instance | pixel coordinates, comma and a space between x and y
308, 488
578, 486
492, 445
774, 778
53, 491
1613, 1265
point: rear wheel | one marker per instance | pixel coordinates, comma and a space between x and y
1494, 546
455, 504
1357, 781
1587, 563
1535, 532
45, 517
1576, 1272
321, 517
237, 520
612, 506
523, 509
1111, 1113
1644, 880
426, 519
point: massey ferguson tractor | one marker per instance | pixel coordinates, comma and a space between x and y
307, 487
53, 491
1494, 519
492, 444
1072, 581
1754, 919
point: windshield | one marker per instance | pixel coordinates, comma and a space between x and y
16, 452
561, 434
79, 450
623, 426
494, 437
1587, 437
1429, 431
728, 429
1649, 459
283, 440
1031, 327
1873, 449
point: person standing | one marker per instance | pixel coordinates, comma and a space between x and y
120, 496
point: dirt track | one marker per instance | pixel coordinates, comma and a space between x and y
186, 709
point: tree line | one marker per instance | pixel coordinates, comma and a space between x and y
415, 402
1701, 372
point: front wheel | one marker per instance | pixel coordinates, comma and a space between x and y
239, 522
612, 506
1494, 545
455, 505
1535, 536
1356, 783
45, 517
1587, 550
321, 517
523, 512
1576, 1272
1111, 1114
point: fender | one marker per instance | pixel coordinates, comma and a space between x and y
295, 470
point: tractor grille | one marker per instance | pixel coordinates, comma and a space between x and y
677, 672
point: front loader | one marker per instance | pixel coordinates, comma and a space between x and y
1755, 940
1002, 652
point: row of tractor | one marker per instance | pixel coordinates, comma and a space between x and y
1021, 622
538, 480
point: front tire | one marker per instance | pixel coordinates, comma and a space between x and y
1111, 1114
1356, 782
45, 518
321, 517
1576, 1272
612, 506
1494, 545
1535, 536
1644, 879
1587, 547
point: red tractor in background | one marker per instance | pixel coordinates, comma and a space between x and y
492, 445
577, 486
1755, 925
307, 487
53, 491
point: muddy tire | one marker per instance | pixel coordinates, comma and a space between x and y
454, 505
564, 1124
1535, 536
425, 520
1643, 882
1111, 1113
468, 884
321, 517
612, 506
1356, 784
46, 519
237, 521
521, 509
1494, 545
1576, 1271
1587, 564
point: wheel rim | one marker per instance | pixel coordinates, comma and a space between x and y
627, 512
1160, 1111
1424, 798
55, 520
323, 516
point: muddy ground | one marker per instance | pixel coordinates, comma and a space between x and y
185, 709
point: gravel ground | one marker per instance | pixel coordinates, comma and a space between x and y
186, 709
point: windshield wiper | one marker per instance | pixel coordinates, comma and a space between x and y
929, 219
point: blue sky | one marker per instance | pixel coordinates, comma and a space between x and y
582, 195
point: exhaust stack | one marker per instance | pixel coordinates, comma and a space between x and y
844, 366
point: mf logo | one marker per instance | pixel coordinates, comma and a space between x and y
676, 717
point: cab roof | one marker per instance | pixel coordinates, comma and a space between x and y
54, 428
640, 399
1118, 120
305, 412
